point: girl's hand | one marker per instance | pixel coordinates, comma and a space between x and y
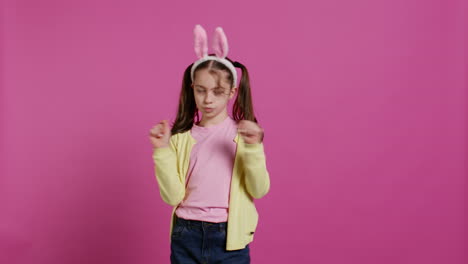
160, 135
250, 131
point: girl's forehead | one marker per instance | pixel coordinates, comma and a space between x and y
205, 76
209, 81
208, 87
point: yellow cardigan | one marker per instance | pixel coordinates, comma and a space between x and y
250, 179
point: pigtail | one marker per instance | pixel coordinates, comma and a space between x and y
187, 112
243, 107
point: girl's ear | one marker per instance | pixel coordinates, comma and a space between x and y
232, 92
201, 41
220, 44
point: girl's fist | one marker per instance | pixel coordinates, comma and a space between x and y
160, 134
250, 131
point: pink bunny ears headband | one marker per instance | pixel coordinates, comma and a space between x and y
220, 46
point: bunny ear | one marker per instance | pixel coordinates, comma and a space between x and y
201, 41
220, 44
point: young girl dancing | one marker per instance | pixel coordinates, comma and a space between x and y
211, 168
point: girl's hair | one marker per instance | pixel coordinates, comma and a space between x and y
187, 112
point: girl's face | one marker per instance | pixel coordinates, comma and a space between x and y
212, 98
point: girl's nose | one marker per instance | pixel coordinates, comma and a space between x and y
208, 98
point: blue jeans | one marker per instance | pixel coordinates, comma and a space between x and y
203, 242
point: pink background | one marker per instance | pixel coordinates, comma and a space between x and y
364, 104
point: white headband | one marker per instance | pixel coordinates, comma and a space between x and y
220, 46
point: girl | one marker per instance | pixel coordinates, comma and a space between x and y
211, 168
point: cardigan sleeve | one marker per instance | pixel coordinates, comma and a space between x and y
171, 188
257, 178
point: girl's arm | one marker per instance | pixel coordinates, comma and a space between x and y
257, 178
171, 188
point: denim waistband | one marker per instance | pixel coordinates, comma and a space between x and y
200, 224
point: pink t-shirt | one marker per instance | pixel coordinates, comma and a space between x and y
209, 174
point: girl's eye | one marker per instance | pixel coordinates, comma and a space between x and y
219, 91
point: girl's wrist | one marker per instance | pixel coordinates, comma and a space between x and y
163, 146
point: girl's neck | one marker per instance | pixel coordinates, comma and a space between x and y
206, 122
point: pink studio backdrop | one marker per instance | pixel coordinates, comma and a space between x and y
364, 104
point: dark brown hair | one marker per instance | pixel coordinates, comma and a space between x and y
187, 112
